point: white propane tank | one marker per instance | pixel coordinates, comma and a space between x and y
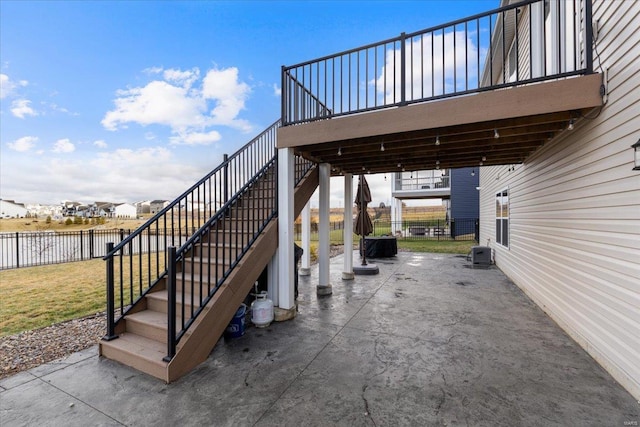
262, 310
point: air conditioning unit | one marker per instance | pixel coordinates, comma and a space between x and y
481, 255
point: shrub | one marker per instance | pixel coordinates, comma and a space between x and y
77, 220
69, 221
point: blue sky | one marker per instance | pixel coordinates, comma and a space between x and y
127, 101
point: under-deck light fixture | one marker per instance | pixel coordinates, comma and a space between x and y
473, 172
570, 126
496, 135
382, 147
437, 139
636, 156
339, 151
484, 158
363, 168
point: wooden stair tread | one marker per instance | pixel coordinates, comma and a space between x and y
164, 295
140, 347
227, 245
150, 317
195, 276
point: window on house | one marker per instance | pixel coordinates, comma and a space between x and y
502, 217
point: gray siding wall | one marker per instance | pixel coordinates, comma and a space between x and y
465, 200
575, 212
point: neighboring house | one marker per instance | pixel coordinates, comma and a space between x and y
456, 187
104, 209
11, 209
42, 211
125, 210
157, 205
84, 211
143, 207
70, 208
565, 224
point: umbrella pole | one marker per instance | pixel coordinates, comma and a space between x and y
364, 249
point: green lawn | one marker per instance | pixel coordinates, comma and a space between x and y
438, 246
35, 297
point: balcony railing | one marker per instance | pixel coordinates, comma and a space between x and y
421, 180
526, 42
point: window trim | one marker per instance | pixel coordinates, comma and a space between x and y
500, 220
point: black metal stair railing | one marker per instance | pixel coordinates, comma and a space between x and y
209, 257
231, 205
139, 261
520, 43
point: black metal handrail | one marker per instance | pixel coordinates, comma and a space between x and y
195, 262
130, 277
237, 225
487, 51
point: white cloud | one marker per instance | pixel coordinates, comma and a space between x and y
8, 86
229, 94
128, 158
428, 76
196, 138
157, 103
21, 108
58, 109
153, 70
23, 144
118, 176
182, 78
63, 146
177, 101
277, 91
100, 143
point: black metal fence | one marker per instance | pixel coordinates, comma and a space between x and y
551, 40
464, 229
28, 249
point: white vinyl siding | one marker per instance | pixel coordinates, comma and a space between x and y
574, 216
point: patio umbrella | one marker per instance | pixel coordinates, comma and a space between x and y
363, 225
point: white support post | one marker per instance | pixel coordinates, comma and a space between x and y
305, 267
272, 277
285, 230
324, 285
396, 215
347, 273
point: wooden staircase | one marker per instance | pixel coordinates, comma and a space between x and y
142, 335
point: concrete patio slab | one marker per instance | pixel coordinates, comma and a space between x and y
428, 341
